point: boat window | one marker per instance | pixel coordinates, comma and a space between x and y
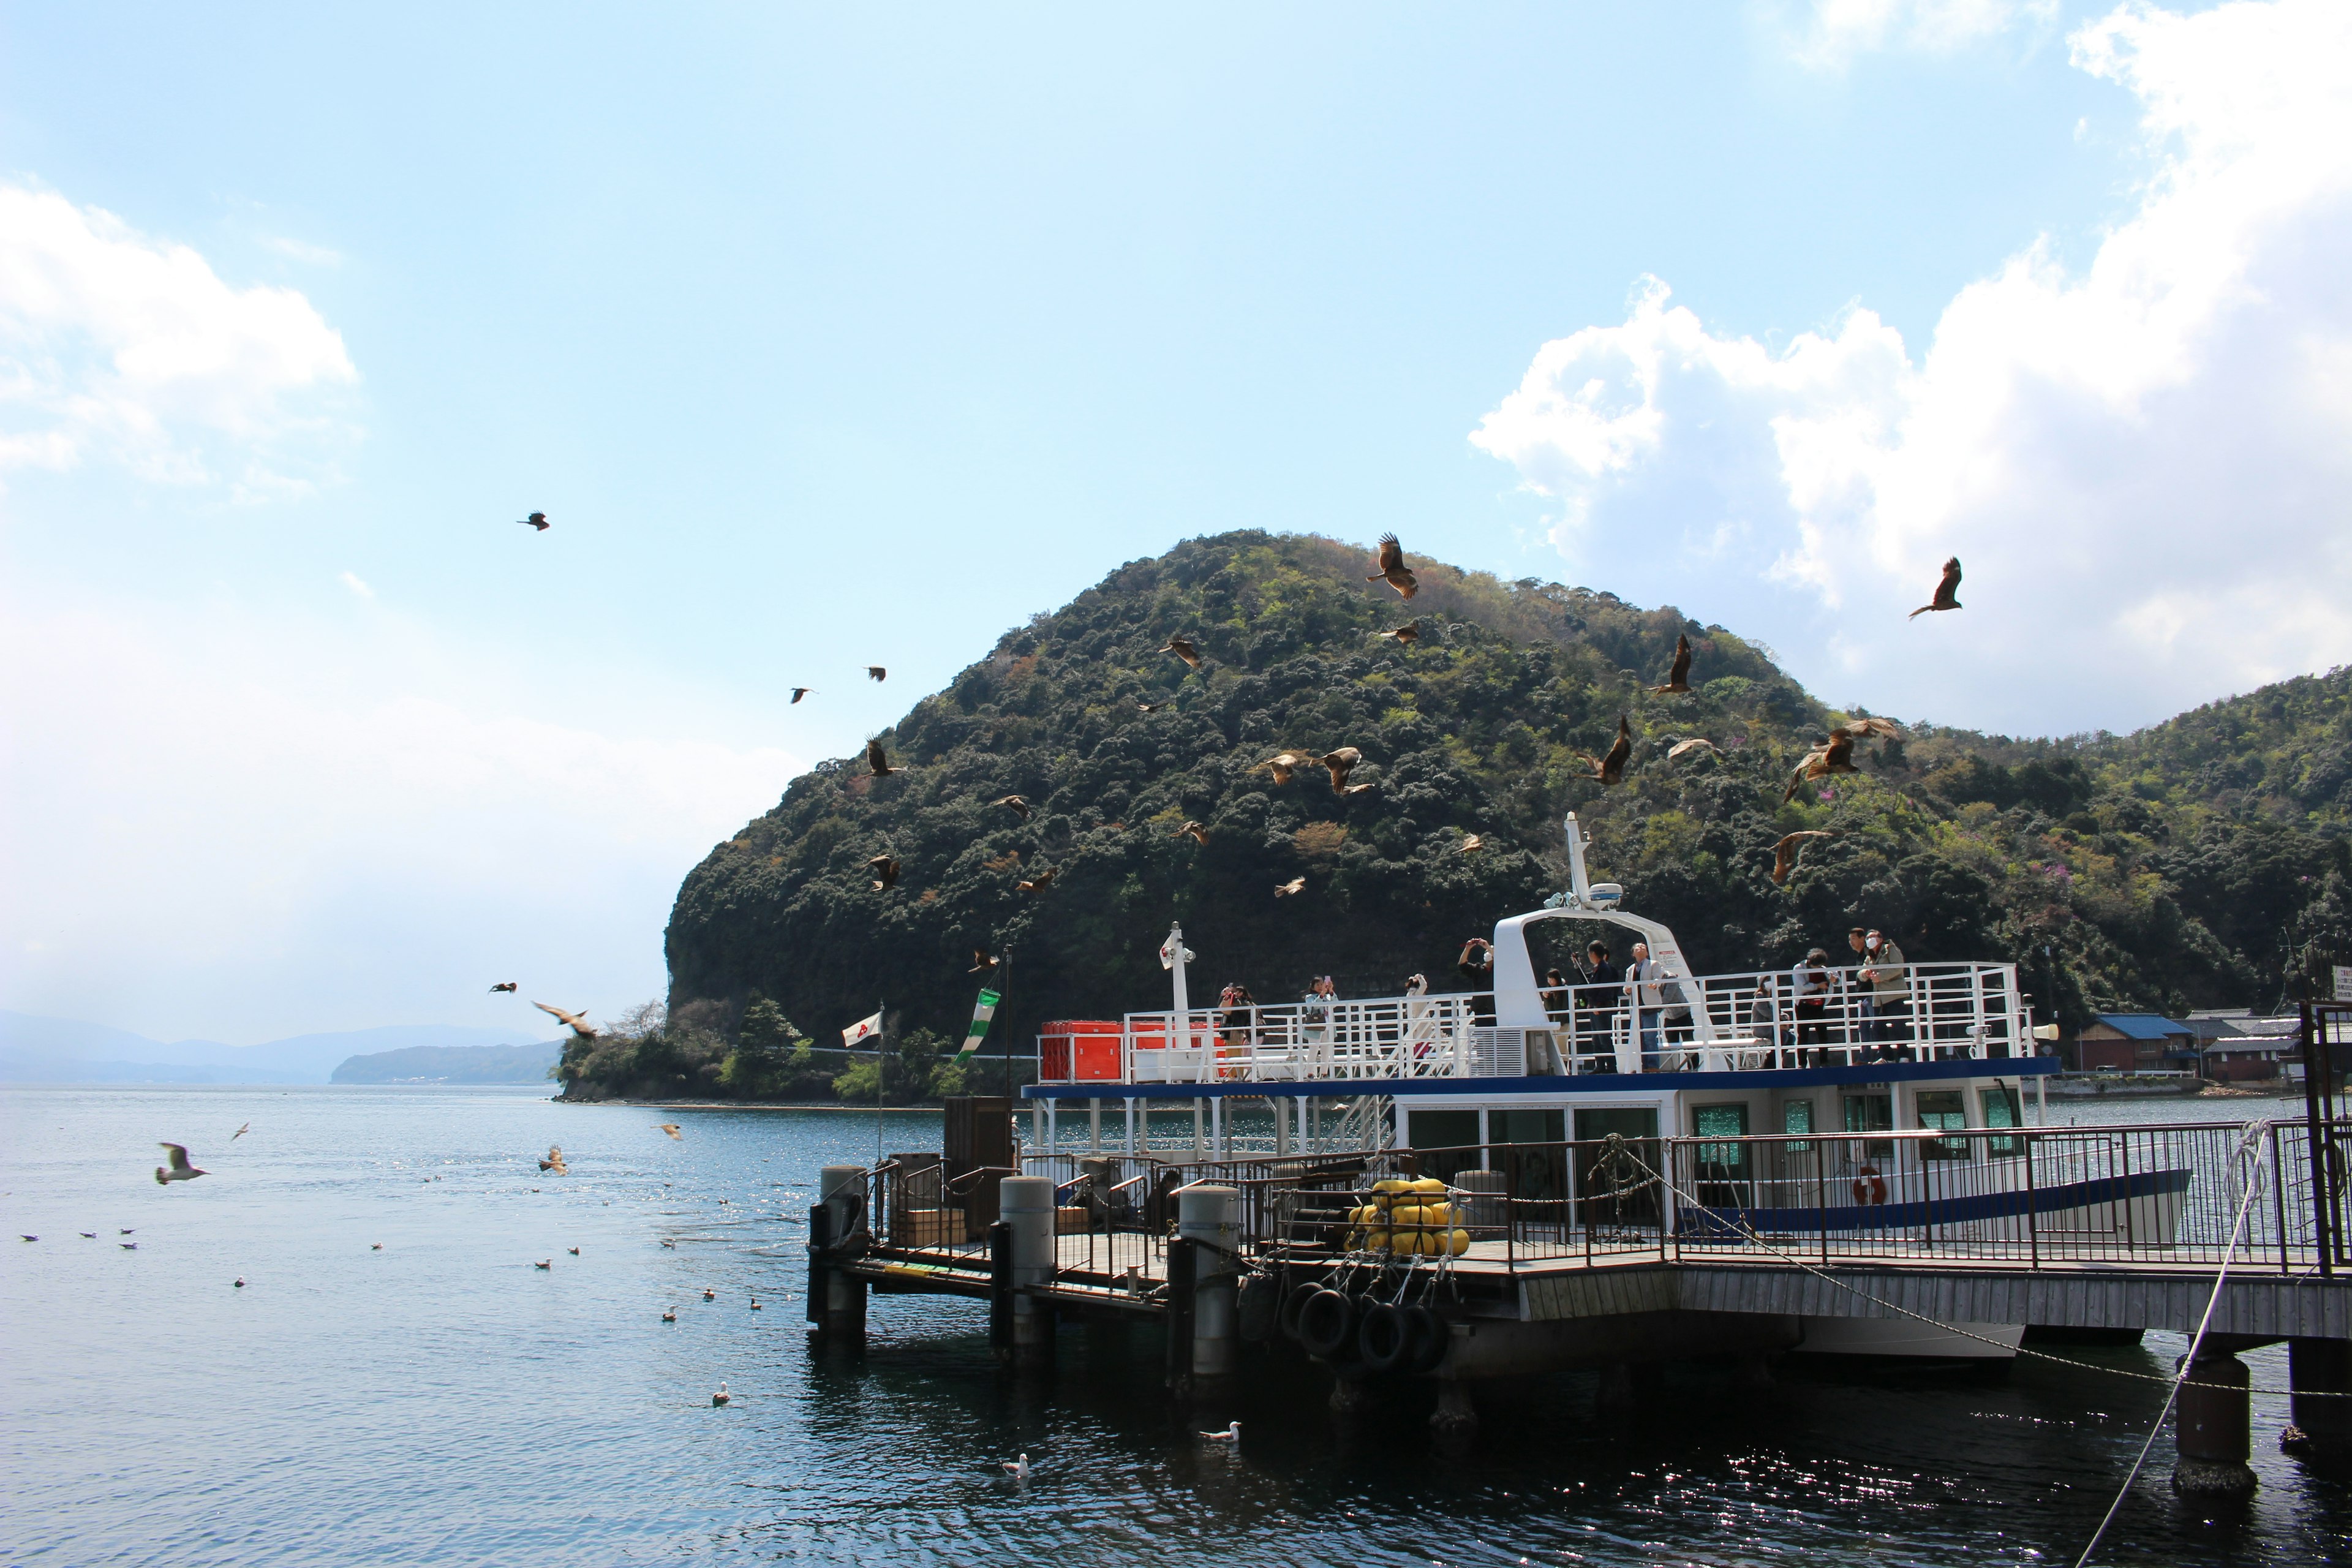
1537, 1162
1942, 1110
1797, 1116
2001, 1110
1871, 1113
1720, 1163
1447, 1141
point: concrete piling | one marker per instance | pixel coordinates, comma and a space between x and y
1455, 1419
2319, 1374
1181, 1259
2212, 1429
1027, 1204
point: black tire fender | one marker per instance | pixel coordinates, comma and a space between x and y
1327, 1324
1428, 1336
1383, 1337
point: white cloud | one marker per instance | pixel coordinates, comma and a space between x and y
221, 828
351, 580
299, 250
118, 346
2147, 467
1833, 31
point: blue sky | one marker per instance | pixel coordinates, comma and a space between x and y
830, 339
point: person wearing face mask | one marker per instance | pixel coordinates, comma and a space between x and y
1886, 995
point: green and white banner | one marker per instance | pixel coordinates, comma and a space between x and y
980, 1016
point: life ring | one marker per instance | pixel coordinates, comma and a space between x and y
1869, 1186
1383, 1337
1327, 1324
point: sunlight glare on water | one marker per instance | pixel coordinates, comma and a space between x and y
441, 1400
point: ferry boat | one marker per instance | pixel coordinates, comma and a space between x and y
1559, 1099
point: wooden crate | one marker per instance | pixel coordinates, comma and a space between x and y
928, 1227
1070, 1221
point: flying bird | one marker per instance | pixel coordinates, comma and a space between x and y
1784, 853
1678, 678
576, 1021
537, 520
1037, 881
180, 1170
801, 691
1471, 843
1296, 885
1405, 636
240, 1132
875, 673
1182, 648
1612, 768
506, 985
554, 1161
1284, 763
1696, 744
1946, 592
1393, 570
670, 1128
1341, 762
1359, 789
1835, 754
1151, 707
1232, 1434
878, 760
1198, 831
980, 962
886, 872
1018, 804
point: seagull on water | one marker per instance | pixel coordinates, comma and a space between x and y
126, 1246
547, 1264
132, 1230
708, 1294
1232, 1434
573, 1250
755, 1303
240, 1281
669, 1314
375, 1246
722, 1397
90, 1235
28, 1237
1017, 1468
671, 1245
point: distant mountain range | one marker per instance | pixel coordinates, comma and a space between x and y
35, 1049
454, 1064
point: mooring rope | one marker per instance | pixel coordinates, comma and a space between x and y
2251, 1136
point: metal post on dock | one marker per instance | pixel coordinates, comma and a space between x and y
1179, 1316
999, 1290
842, 1191
2319, 1374
1027, 1204
1210, 1218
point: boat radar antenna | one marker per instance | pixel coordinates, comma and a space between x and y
1579, 890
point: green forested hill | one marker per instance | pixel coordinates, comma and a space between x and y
2189, 865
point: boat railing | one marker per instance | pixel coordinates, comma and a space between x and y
1746, 1021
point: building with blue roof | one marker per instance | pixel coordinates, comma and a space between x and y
2138, 1042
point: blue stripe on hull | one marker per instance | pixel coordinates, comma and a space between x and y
1730, 1222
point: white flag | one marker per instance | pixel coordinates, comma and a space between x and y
865, 1028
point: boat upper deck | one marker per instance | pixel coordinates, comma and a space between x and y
1831, 1022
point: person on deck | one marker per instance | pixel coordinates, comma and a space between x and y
1644, 977
1319, 1010
1889, 995
1477, 964
1809, 988
1602, 992
1237, 1005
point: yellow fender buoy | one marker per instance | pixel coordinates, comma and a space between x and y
1461, 1242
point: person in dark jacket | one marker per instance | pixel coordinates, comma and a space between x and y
1603, 989
1477, 964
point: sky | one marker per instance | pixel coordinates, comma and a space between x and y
834, 337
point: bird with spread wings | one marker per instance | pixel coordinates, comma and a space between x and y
1784, 853
576, 1021
1947, 591
1835, 754
1612, 768
878, 761
1392, 569
1679, 677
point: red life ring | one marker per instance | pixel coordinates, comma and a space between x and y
1869, 1186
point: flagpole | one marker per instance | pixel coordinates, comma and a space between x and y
881, 1065
1004, 986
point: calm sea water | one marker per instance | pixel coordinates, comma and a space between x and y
442, 1401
